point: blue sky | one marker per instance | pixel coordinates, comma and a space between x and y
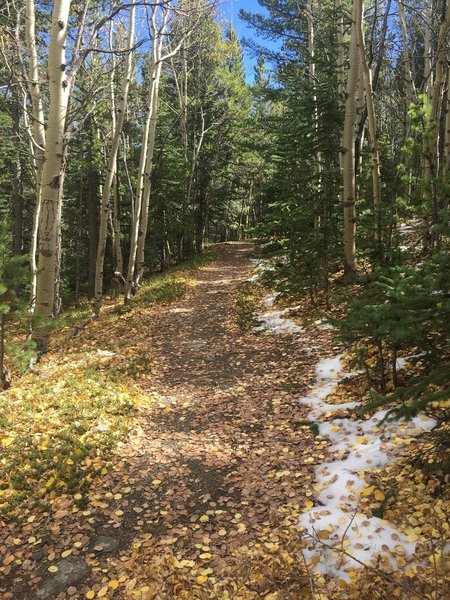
230, 11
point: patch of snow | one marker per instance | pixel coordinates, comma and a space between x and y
274, 321
101, 428
402, 361
361, 445
105, 353
268, 301
323, 325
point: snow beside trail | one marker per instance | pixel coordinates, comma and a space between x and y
361, 445
272, 321
275, 321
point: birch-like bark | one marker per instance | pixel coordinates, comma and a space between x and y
432, 140
374, 150
446, 161
348, 151
312, 71
410, 88
148, 142
115, 221
143, 226
341, 58
427, 53
112, 166
49, 221
38, 129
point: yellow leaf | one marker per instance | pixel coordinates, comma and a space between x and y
6, 441
66, 553
205, 556
204, 518
241, 528
270, 545
113, 584
202, 578
102, 593
90, 594
156, 482
379, 495
53, 569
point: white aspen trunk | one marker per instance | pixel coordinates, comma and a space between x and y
360, 132
142, 234
142, 196
348, 150
38, 129
118, 257
49, 221
312, 70
341, 58
427, 87
427, 53
446, 160
374, 150
117, 127
410, 88
432, 140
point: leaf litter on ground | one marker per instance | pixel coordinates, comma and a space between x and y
197, 459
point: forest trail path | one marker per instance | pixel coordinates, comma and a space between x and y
201, 499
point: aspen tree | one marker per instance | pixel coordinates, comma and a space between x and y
117, 126
432, 139
366, 75
410, 88
348, 150
50, 215
312, 72
446, 161
161, 13
38, 132
143, 186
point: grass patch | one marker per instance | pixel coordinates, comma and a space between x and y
171, 285
55, 435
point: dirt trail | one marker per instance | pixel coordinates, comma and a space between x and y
214, 475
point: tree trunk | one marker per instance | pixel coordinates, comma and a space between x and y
374, 152
115, 217
432, 139
92, 218
143, 186
4, 374
17, 188
38, 127
142, 235
111, 171
49, 222
410, 88
348, 151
